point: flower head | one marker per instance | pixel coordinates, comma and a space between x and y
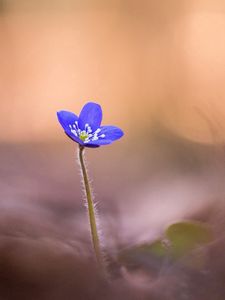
86, 129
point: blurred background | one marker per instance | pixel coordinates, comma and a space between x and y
157, 68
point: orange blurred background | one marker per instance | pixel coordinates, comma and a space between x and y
142, 60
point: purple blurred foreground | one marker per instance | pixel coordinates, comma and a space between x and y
45, 250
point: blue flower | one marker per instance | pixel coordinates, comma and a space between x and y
86, 129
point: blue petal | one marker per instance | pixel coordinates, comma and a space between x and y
112, 133
91, 114
91, 146
74, 138
67, 118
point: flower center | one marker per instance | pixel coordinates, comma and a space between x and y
86, 135
83, 135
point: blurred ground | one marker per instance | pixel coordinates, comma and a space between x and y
45, 249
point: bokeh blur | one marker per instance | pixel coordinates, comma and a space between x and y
157, 68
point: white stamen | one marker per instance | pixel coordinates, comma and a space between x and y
74, 132
97, 131
86, 141
76, 124
89, 130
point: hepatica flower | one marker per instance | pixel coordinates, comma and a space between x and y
86, 130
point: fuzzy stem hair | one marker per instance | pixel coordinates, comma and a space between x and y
91, 210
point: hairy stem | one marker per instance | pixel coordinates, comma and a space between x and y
91, 210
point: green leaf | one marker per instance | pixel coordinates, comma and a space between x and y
148, 256
187, 236
180, 239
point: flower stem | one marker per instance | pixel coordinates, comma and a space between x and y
91, 210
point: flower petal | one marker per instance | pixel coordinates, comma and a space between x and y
111, 133
91, 114
67, 118
98, 143
74, 138
91, 146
